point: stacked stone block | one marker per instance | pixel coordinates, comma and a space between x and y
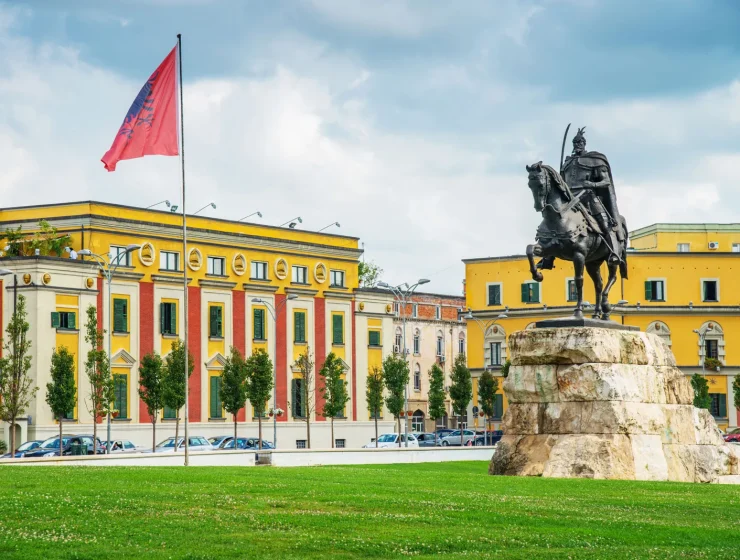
604, 403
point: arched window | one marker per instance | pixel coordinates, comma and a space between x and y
711, 342
495, 346
440, 344
659, 328
460, 343
417, 342
529, 326
417, 377
417, 421
398, 343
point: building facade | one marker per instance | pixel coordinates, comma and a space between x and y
238, 274
683, 286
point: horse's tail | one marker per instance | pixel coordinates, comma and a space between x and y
623, 262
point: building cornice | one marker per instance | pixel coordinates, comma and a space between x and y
684, 228
125, 275
267, 288
338, 295
301, 291
564, 311
221, 284
165, 279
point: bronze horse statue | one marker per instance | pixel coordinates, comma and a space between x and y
569, 232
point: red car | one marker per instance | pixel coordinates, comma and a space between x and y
733, 435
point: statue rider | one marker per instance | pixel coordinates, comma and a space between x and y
591, 171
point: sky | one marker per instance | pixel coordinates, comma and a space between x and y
409, 122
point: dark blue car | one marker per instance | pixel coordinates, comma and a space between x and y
23, 449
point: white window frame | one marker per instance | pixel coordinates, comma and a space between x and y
539, 294
665, 288
679, 245
336, 274
489, 352
440, 346
164, 260
296, 272
210, 269
115, 251
437, 313
399, 339
414, 311
396, 310
701, 288
417, 343
735, 249
500, 291
417, 377
257, 266
460, 344
568, 280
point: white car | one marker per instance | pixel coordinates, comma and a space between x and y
454, 438
195, 443
391, 440
121, 446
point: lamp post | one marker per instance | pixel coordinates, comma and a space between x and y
702, 340
292, 222
330, 225
211, 204
483, 328
274, 310
166, 202
402, 293
258, 213
107, 268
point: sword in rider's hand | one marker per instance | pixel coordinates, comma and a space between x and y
562, 149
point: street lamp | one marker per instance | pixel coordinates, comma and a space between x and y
167, 202
211, 204
292, 222
330, 225
274, 310
250, 215
484, 328
107, 268
702, 340
402, 293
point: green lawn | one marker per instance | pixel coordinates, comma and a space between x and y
451, 509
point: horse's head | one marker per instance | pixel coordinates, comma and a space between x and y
538, 184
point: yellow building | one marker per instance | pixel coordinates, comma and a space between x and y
684, 285
238, 275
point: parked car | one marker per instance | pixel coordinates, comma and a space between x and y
426, 439
443, 432
391, 440
23, 449
195, 443
50, 447
454, 438
493, 438
732, 435
219, 441
121, 446
247, 443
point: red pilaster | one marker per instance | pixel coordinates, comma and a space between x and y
238, 334
319, 306
146, 332
281, 357
354, 364
194, 349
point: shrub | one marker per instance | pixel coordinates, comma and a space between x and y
3, 446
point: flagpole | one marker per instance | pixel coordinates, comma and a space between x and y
184, 252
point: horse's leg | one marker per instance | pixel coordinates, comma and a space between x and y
594, 271
579, 260
531, 250
606, 308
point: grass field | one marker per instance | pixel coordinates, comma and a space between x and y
450, 509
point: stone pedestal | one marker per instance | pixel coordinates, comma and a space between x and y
603, 403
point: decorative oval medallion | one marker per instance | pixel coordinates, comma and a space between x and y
281, 269
195, 259
27, 280
319, 273
47, 278
146, 254
90, 282
362, 307
238, 265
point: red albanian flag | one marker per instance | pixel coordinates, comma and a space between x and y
150, 126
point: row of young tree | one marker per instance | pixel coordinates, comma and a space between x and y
388, 385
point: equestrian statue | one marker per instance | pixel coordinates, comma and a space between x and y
581, 221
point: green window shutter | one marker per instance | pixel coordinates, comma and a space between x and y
220, 321
497, 295
723, 406
648, 290
294, 397
213, 322
259, 326
374, 338
337, 329
119, 317
525, 293
120, 384
173, 318
215, 411
71, 323
54, 319
169, 412
299, 326
162, 323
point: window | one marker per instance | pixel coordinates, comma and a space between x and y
683, 247
259, 270
216, 266
299, 327
399, 339
300, 275
373, 338
168, 318
438, 312
736, 247
655, 290
169, 260
119, 255
63, 320
120, 315
415, 310
337, 279
337, 328
572, 290
440, 345
396, 308
417, 377
216, 408
120, 389
258, 324
300, 444
169, 413
216, 321
417, 342
718, 405
711, 349
298, 408
710, 290
530, 292
340, 443
461, 344
494, 353
494, 294
417, 422
498, 407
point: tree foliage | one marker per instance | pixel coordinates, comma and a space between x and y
234, 385
102, 399
736, 392
16, 386
369, 274
505, 369
175, 380
374, 394
461, 385
151, 388
47, 240
396, 377
305, 368
61, 391
334, 390
259, 384
437, 393
487, 387
701, 391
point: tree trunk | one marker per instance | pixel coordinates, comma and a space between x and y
12, 437
332, 432
177, 428
376, 428
95, 436
308, 431
60, 435
259, 422
398, 423
154, 432
235, 442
